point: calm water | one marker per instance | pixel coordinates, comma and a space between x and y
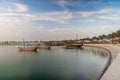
55, 64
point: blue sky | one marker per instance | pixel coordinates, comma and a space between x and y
57, 19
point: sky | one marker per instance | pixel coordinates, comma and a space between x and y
57, 19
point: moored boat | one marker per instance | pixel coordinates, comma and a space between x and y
27, 48
44, 46
72, 46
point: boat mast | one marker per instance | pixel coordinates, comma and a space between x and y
23, 42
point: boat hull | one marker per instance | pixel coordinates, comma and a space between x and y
44, 47
72, 46
27, 49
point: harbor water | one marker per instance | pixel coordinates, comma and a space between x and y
57, 63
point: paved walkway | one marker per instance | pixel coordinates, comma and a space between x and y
113, 72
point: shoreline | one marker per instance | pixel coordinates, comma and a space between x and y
113, 51
108, 62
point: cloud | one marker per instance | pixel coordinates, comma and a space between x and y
106, 15
84, 4
14, 12
19, 12
12, 6
15, 18
64, 3
17, 7
79, 3
61, 17
92, 13
109, 17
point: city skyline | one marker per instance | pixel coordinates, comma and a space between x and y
57, 19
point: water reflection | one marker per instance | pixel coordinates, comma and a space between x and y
28, 52
97, 51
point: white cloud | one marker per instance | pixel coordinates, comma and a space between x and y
109, 17
17, 7
12, 13
93, 13
15, 18
60, 17
104, 15
64, 3
20, 7
8, 6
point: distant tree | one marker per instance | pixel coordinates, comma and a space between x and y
95, 38
112, 36
100, 37
118, 35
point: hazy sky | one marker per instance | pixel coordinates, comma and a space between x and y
57, 19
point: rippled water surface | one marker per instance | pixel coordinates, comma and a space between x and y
55, 64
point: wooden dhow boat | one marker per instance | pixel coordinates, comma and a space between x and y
27, 48
44, 46
72, 46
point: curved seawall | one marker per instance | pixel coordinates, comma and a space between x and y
112, 70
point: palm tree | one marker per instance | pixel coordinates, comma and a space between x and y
104, 36
100, 37
118, 35
95, 38
112, 36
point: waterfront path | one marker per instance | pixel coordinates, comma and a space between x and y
113, 71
